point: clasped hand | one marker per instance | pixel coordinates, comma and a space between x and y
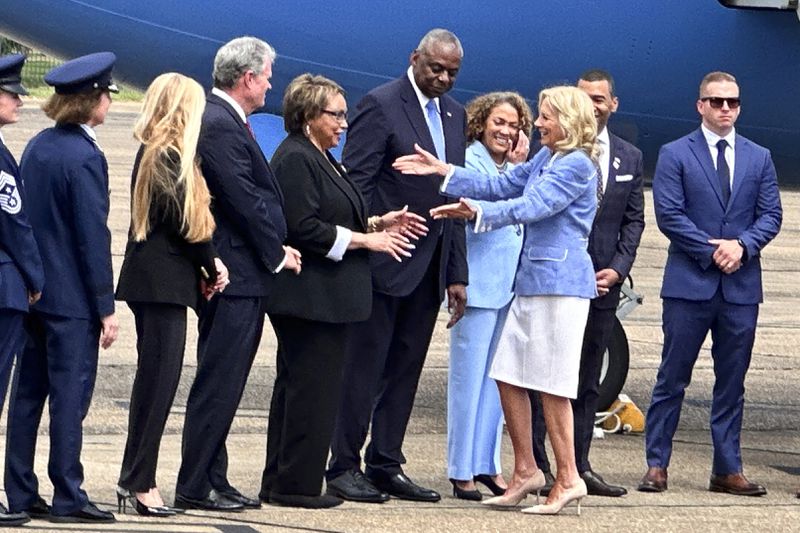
728, 255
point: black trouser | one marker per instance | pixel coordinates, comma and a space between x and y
160, 344
230, 329
304, 402
382, 369
595, 341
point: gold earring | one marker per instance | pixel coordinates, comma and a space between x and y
308, 130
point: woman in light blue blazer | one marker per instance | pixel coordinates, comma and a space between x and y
555, 196
474, 416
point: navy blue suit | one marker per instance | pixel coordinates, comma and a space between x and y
251, 227
386, 356
698, 296
21, 269
616, 233
66, 181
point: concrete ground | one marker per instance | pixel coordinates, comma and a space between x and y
770, 440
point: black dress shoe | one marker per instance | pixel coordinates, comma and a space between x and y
473, 495
324, 501
399, 486
214, 501
355, 487
549, 481
38, 509
487, 480
597, 486
12, 519
236, 496
88, 514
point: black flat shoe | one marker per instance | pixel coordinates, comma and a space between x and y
88, 514
490, 484
400, 486
324, 501
214, 501
236, 496
12, 519
464, 494
38, 509
124, 496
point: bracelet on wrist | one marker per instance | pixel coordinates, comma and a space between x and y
373, 224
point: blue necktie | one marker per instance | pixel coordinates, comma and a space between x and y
435, 125
723, 172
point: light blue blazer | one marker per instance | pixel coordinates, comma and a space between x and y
492, 256
556, 200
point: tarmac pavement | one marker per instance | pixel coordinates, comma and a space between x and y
770, 439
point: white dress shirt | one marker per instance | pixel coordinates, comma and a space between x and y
730, 153
604, 142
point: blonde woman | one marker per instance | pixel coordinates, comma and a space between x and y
555, 196
169, 265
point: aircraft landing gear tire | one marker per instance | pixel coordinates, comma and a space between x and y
615, 367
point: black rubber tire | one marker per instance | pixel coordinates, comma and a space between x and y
615, 367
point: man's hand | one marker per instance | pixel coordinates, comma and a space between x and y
728, 255
518, 153
109, 331
456, 302
293, 261
34, 297
606, 278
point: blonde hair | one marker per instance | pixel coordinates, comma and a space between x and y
575, 114
72, 108
168, 128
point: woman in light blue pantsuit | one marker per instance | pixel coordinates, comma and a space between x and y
474, 415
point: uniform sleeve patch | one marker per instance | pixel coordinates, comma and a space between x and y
10, 200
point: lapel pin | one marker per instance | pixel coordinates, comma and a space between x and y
448, 113
616, 163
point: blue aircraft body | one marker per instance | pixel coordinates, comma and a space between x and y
658, 50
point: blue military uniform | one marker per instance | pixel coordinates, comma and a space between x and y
21, 271
66, 176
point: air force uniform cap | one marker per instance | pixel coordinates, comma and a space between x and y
11, 73
84, 74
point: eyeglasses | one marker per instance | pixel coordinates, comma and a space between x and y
341, 116
717, 102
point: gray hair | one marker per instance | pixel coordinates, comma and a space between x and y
439, 36
237, 57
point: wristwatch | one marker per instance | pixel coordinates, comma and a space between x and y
744, 249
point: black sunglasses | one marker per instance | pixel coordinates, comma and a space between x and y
717, 102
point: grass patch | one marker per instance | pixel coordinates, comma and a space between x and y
125, 95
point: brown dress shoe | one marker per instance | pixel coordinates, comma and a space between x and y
655, 480
735, 484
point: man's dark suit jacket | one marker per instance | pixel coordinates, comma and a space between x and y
165, 267
619, 222
317, 200
386, 124
247, 201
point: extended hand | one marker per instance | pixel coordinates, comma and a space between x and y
422, 163
519, 153
456, 302
606, 278
405, 223
388, 242
728, 255
109, 330
293, 259
460, 210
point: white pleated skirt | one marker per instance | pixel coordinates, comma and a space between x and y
540, 346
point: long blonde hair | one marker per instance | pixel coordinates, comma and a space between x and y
169, 127
575, 114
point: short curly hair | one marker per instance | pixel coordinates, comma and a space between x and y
305, 98
479, 109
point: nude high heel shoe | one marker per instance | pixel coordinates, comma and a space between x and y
533, 485
576, 493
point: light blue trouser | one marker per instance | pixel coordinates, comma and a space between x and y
474, 415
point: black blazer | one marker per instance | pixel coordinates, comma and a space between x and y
619, 222
247, 201
387, 123
317, 199
164, 268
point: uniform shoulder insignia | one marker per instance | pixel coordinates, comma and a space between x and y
10, 200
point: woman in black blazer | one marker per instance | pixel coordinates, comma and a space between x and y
326, 220
169, 265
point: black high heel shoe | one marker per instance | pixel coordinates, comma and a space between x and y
463, 494
487, 480
124, 496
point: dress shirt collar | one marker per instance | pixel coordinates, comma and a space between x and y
712, 138
233, 103
2, 139
90, 132
603, 138
423, 100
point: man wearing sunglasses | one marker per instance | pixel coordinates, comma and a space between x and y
716, 199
